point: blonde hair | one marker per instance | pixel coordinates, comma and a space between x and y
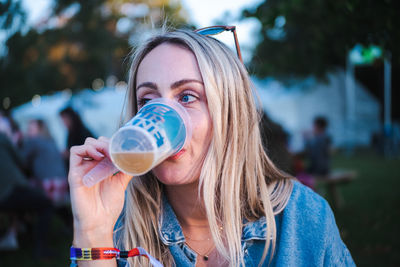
238, 181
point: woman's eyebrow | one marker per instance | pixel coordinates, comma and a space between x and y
184, 81
148, 85
175, 85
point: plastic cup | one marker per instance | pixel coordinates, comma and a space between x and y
159, 130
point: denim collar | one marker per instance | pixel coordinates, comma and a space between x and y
256, 230
171, 232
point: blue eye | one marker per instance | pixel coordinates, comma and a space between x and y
187, 98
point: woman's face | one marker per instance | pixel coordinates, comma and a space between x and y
170, 71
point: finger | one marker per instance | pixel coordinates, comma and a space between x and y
95, 152
105, 145
90, 140
101, 144
84, 152
87, 152
76, 155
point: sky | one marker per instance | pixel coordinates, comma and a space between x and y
207, 12
201, 13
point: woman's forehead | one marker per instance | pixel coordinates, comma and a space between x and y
168, 62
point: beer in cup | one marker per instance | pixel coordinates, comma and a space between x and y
159, 130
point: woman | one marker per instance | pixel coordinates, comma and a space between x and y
77, 131
220, 202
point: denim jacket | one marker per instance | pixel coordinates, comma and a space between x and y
307, 235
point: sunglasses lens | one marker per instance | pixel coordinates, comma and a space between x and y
211, 31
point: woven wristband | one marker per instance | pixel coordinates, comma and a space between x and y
87, 254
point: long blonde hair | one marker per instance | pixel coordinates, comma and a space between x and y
238, 181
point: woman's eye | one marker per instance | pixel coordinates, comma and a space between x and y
187, 98
143, 101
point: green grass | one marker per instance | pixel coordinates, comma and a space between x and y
60, 238
368, 221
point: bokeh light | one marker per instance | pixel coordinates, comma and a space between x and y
6, 102
36, 100
97, 84
121, 86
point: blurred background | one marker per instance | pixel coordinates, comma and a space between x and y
326, 73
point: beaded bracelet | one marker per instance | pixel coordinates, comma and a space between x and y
87, 254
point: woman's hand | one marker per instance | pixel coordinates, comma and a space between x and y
95, 209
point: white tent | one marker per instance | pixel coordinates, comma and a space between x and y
100, 112
295, 107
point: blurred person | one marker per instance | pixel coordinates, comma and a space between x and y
17, 134
300, 171
10, 127
17, 197
45, 162
318, 148
77, 131
220, 201
275, 141
5, 125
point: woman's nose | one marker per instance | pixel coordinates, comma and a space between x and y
167, 95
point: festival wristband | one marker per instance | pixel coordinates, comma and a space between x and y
87, 254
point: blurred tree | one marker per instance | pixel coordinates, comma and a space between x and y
81, 40
303, 37
11, 15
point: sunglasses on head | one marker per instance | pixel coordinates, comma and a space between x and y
214, 30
